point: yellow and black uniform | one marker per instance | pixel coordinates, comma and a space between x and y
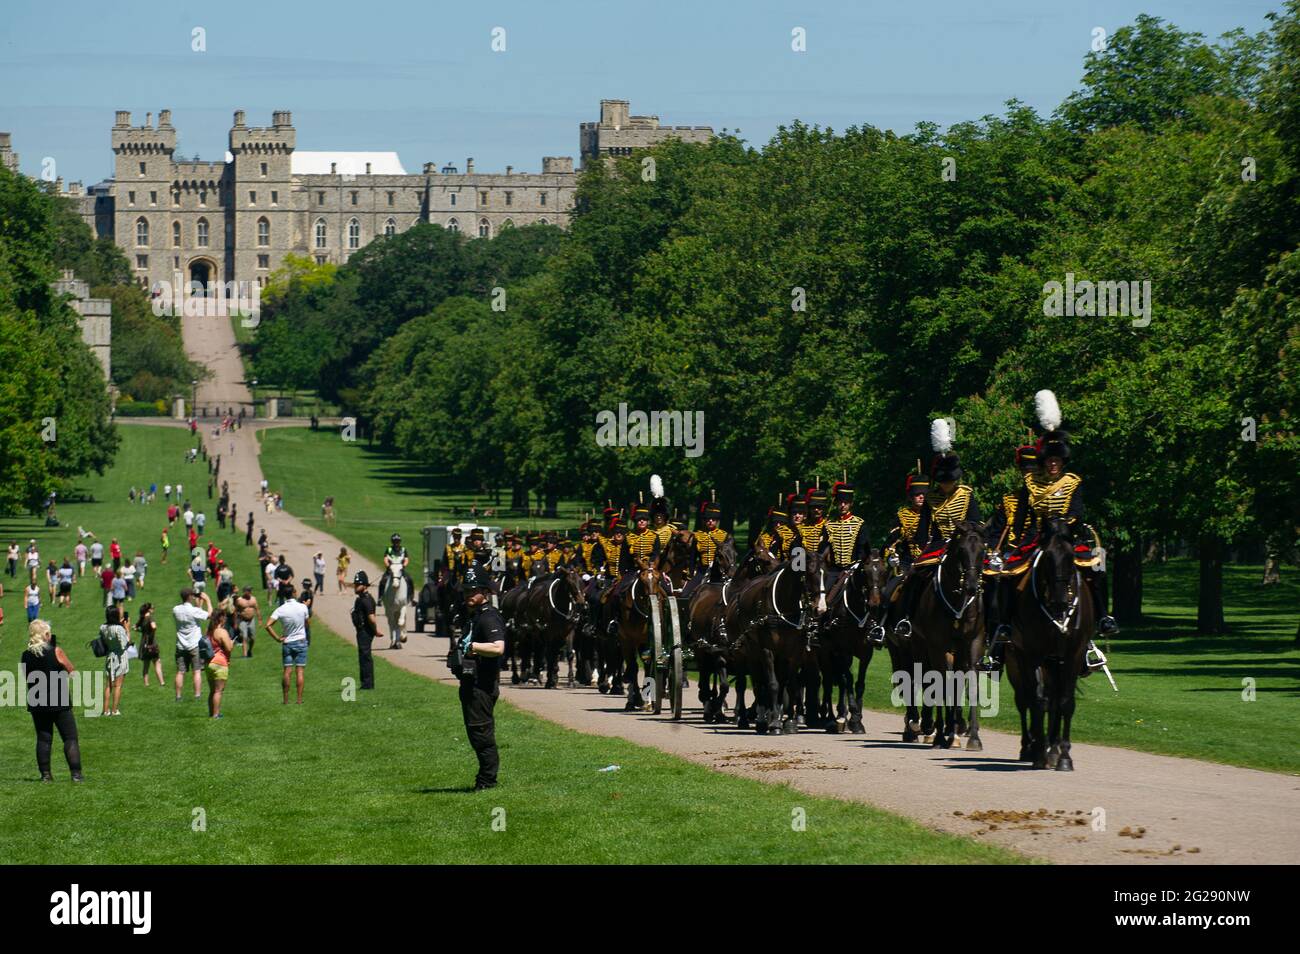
641, 545
533, 555
707, 543
553, 558
777, 537
943, 512
1048, 498
455, 558
845, 539
586, 553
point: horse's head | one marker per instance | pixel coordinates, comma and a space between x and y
573, 580
966, 550
725, 557
1054, 569
870, 577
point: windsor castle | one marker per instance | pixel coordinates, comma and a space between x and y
236, 220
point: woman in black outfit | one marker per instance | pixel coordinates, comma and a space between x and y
49, 699
149, 654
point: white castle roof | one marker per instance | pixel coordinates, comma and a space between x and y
344, 163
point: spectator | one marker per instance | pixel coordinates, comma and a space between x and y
12, 559
96, 556
52, 574
118, 590
172, 513
141, 568
33, 560
343, 562
318, 570
115, 554
66, 576
167, 495
292, 615
200, 521
268, 580
248, 535
306, 598
166, 544
33, 601
128, 578
188, 516
153, 491
149, 653
283, 573
81, 553
198, 575
219, 665
117, 637
49, 700
193, 609
248, 614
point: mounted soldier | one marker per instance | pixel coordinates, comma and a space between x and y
777, 537
395, 557
660, 525
453, 555
948, 504
1010, 546
708, 536
813, 529
901, 547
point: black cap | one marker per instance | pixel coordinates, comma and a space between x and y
360, 578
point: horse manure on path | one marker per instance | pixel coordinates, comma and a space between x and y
773, 761
995, 819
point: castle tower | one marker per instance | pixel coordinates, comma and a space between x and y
143, 173
261, 207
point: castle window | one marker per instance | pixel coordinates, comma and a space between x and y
354, 198
542, 222
482, 198
252, 198
354, 234
153, 198
509, 198
453, 225
453, 198
320, 198
275, 197
484, 229
390, 198
264, 170
142, 232
142, 261
321, 259
203, 198
176, 196
142, 169
390, 227
130, 198
176, 235
541, 198
264, 261
320, 233
201, 233
507, 224
263, 232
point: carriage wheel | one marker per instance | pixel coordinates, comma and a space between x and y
676, 676
654, 671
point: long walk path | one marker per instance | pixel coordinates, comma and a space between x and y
1156, 808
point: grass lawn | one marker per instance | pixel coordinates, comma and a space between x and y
379, 779
1179, 693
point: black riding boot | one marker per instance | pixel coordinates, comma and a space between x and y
1106, 625
910, 595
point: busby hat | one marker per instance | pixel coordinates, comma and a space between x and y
1054, 442
455, 531
617, 526
843, 490
816, 497
712, 512
659, 507
945, 465
915, 484
476, 533
1027, 456
796, 504
640, 513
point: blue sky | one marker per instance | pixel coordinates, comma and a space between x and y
421, 77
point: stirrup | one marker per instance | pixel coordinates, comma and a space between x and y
903, 627
876, 634
1094, 658
611, 628
1106, 626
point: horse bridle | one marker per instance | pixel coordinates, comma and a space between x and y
957, 614
1063, 625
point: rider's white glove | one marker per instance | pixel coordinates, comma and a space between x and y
821, 602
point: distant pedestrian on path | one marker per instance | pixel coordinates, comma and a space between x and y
343, 562
318, 570
248, 537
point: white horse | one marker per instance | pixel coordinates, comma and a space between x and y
397, 597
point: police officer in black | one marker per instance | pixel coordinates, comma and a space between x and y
363, 620
477, 661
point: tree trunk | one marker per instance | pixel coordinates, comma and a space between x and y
552, 504
1209, 603
1126, 574
518, 498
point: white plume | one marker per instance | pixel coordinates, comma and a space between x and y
1049, 412
940, 436
656, 486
